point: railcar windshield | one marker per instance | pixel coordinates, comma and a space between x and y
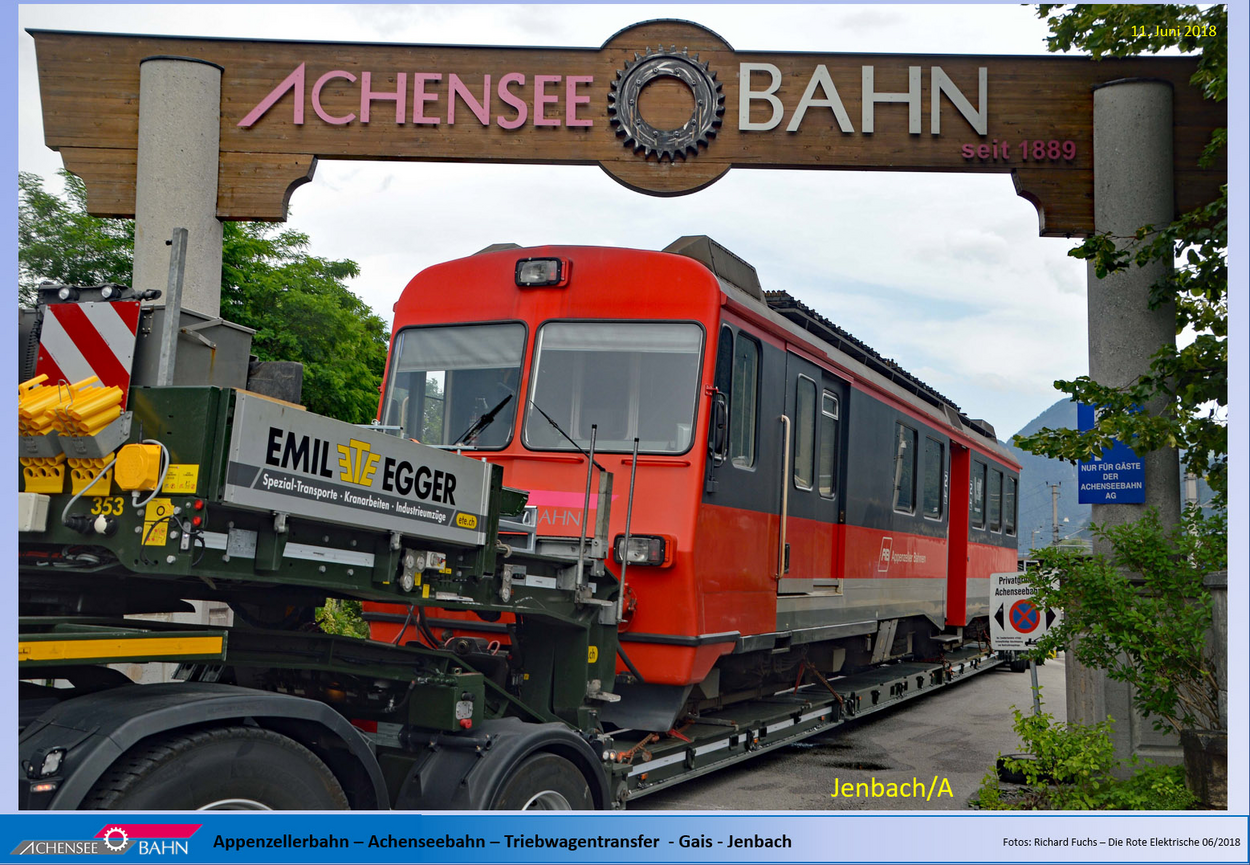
626, 378
456, 385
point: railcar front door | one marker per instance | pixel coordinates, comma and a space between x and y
810, 479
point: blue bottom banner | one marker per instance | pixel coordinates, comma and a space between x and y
620, 837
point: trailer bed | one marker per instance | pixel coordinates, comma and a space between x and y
720, 739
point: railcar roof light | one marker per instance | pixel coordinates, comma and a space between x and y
537, 272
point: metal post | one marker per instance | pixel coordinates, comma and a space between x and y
590, 470
1054, 513
629, 514
1037, 692
173, 308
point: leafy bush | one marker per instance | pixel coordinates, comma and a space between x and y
342, 617
1152, 788
1070, 768
1142, 614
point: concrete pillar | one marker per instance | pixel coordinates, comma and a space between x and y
176, 187
176, 182
1132, 188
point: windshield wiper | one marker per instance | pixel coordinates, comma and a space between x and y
580, 449
475, 429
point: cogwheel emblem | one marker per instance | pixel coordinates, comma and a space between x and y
108, 836
623, 99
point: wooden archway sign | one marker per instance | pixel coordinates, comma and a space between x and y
284, 105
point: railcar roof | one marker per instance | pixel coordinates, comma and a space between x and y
739, 280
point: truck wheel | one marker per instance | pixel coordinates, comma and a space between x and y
545, 782
219, 769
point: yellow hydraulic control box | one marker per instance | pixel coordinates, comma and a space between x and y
138, 467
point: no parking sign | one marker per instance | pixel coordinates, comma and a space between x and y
1016, 623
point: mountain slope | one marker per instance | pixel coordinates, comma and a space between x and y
1037, 474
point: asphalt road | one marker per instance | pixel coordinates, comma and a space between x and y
952, 736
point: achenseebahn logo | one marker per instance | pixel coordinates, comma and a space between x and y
116, 839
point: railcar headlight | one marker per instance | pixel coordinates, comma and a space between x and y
652, 550
536, 272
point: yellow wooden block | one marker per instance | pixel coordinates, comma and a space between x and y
44, 475
81, 473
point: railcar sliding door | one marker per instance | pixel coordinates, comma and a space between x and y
957, 538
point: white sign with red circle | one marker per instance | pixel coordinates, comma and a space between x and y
1016, 622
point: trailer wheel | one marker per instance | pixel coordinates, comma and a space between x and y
545, 782
219, 769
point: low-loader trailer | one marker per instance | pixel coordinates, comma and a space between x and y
131, 508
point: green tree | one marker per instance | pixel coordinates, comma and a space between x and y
1189, 385
302, 311
57, 240
297, 302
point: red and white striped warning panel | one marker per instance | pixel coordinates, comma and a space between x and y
80, 340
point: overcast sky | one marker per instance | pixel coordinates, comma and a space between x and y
944, 273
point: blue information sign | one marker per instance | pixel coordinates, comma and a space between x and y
1118, 478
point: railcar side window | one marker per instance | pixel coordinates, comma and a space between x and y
624, 378
722, 380
724, 360
904, 469
444, 380
996, 500
977, 495
1009, 506
934, 470
828, 444
743, 401
804, 433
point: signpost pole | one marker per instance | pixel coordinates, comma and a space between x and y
1017, 623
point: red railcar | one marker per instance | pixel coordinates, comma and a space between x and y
798, 498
